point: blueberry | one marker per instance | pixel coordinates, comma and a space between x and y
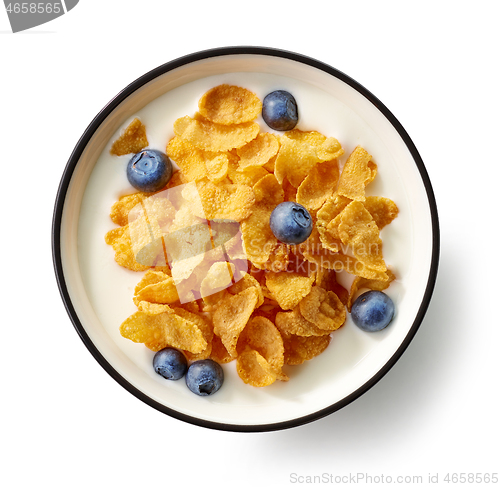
204, 377
291, 223
279, 110
170, 363
149, 170
372, 311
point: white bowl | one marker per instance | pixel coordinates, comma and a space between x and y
98, 293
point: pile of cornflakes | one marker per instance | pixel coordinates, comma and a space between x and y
259, 302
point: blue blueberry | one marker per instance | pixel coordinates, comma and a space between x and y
279, 110
291, 223
149, 170
204, 377
170, 363
372, 311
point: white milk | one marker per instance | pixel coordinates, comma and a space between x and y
110, 287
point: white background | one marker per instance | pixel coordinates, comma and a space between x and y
434, 64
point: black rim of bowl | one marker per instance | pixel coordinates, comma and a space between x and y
106, 111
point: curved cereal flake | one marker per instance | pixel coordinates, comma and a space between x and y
254, 369
219, 352
292, 322
330, 149
178, 178
318, 185
121, 209
217, 166
326, 148
132, 140
327, 279
373, 172
295, 161
231, 316
261, 334
382, 210
314, 250
258, 151
323, 308
249, 175
226, 201
358, 229
161, 330
156, 287
195, 163
373, 284
278, 259
332, 232
268, 192
152, 276
229, 104
330, 209
258, 239
214, 137
299, 349
188, 158
119, 239
288, 288
206, 329
311, 137
246, 282
214, 284
153, 308
358, 171
269, 165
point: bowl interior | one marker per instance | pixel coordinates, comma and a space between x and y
99, 293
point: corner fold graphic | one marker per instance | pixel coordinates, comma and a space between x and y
26, 15
70, 4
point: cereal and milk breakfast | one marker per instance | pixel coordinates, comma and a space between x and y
238, 246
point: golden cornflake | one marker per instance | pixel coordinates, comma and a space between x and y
288, 288
292, 322
332, 207
258, 151
360, 232
231, 316
382, 210
290, 153
357, 172
298, 349
156, 287
161, 330
120, 209
323, 308
227, 105
318, 185
261, 335
254, 369
215, 137
226, 201
132, 140
119, 239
